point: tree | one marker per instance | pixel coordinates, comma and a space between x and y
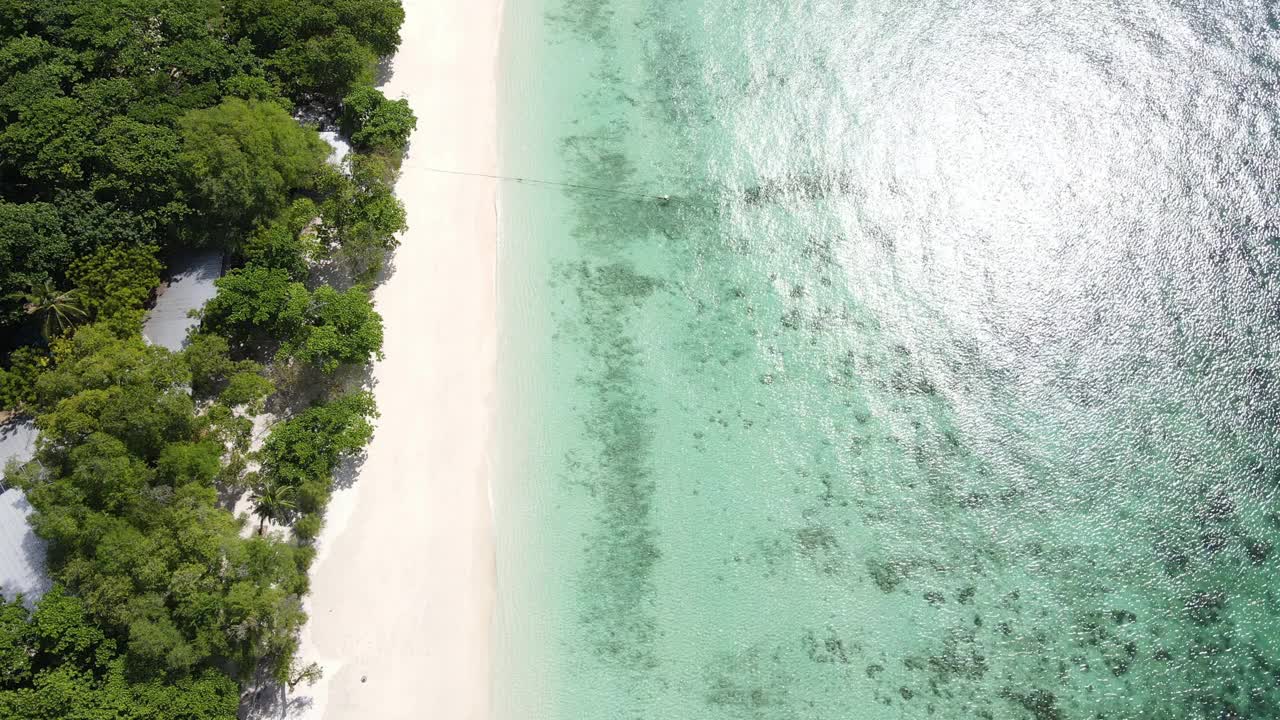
58, 310
189, 462
119, 386
247, 389
242, 161
286, 242
273, 501
361, 216
375, 123
257, 305
376, 23
209, 358
325, 66
127, 126
236, 383
115, 282
90, 224
33, 248
18, 381
305, 450
50, 142
299, 673
123, 488
341, 328
276, 24
57, 664
137, 167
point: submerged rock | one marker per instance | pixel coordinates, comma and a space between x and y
1042, 704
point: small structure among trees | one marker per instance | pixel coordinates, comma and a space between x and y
22, 553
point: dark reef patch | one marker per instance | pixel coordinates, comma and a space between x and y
888, 575
617, 579
1041, 704
751, 684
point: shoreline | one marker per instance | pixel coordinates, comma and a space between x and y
402, 589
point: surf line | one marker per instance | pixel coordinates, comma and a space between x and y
663, 199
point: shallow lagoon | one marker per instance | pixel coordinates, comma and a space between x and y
944, 386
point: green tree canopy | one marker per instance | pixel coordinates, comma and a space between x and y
341, 328
325, 65
124, 494
214, 374
58, 310
257, 306
361, 216
56, 663
303, 452
375, 123
115, 282
243, 160
137, 167
127, 126
33, 249
285, 242
319, 48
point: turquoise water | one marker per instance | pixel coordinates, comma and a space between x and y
943, 385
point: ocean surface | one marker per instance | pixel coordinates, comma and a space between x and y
896, 360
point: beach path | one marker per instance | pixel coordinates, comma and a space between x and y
402, 592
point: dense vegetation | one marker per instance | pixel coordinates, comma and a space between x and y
130, 131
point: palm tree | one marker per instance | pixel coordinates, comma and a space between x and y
61, 309
273, 501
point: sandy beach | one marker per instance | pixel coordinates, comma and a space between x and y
402, 593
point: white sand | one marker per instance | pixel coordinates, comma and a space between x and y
404, 582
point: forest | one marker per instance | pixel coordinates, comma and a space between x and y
132, 131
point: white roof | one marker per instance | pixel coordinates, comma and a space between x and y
190, 288
21, 552
339, 148
17, 441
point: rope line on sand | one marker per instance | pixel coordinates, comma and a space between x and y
532, 181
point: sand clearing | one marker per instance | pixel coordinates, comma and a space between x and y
403, 586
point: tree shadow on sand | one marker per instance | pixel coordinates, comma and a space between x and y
348, 471
269, 700
299, 387
385, 69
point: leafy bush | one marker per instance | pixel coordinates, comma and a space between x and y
375, 123
284, 243
242, 161
256, 306
18, 382
115, 282
304, 452
361, 216
325, 66
342, 328
57, 663
124, 495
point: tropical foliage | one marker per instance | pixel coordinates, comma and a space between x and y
130, 131
125, 495
273, 501
59, 310
243, 160
376, 123
57, 663
115, 282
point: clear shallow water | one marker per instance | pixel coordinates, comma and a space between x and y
944, 385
